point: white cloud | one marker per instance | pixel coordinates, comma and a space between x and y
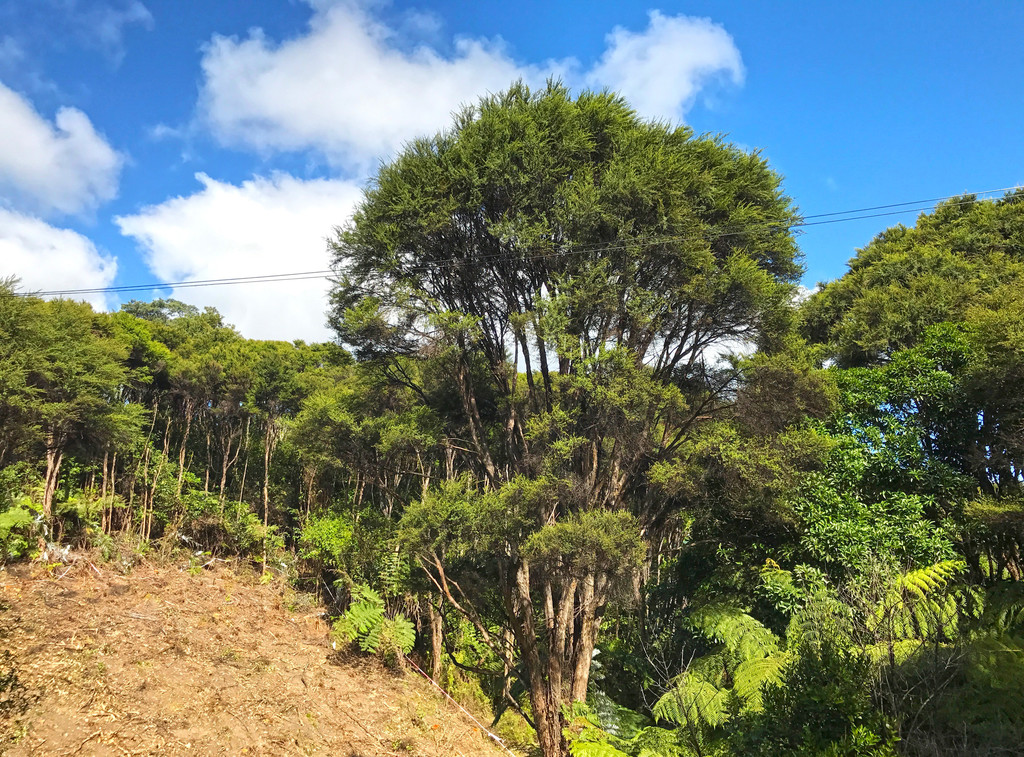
47, 258
802, 293
344, 88
265, 226
661, 70
65, 166
103, 25
349, 89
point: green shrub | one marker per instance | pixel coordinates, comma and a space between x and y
366, 624
326, 540
16, 525
821, 707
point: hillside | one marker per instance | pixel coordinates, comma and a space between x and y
162, 662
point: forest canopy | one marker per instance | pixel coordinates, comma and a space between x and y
581, 449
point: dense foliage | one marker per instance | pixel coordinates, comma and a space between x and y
536, 463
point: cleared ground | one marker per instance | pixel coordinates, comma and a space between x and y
162, 662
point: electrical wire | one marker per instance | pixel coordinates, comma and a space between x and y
803, 222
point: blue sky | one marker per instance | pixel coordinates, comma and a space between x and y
149, 140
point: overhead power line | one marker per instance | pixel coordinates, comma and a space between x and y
270, 277
839, 216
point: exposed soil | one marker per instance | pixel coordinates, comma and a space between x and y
163, 662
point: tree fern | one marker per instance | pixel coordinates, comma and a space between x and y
917, 606
751, 675
693, 701
751, 658
366, 624
740, 633
595, 749
362, 618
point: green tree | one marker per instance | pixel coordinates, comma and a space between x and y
570, 269
967, 253
274, 394
21, 349
78, 385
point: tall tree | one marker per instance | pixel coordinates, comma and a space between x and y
274, 393
936, 308
77, 384
952, 260
572, 269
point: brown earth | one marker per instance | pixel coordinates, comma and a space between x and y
162, 662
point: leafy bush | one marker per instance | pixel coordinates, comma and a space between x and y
822, 706
366, 624
17, 516
235, 531
16, 526
326, 540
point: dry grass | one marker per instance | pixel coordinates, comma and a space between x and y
161, 662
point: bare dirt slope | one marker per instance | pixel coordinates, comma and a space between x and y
162, 662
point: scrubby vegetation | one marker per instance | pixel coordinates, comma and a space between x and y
580, 446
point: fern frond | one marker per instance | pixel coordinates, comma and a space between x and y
365, 623
917, 606
901, 650
400, 632
594, 749
693, 701
750, 677
930, 579
825, 618
711, 667
1004, 608
658, 742
740, 633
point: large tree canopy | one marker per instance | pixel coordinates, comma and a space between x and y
576, 271
968, 254
947, 293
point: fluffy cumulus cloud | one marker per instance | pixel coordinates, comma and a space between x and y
264, 226
661, 69
46, 258
343, 88
353, 89
65, 166
349, 89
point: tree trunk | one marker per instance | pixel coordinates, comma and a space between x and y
103, 481
245, 467
436, 641
147, 520
544, 698
226, 462
268, 453
143, 461
209, 461
54, 456
184, 446
310, 484
478, 434
113, 493
591, 605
